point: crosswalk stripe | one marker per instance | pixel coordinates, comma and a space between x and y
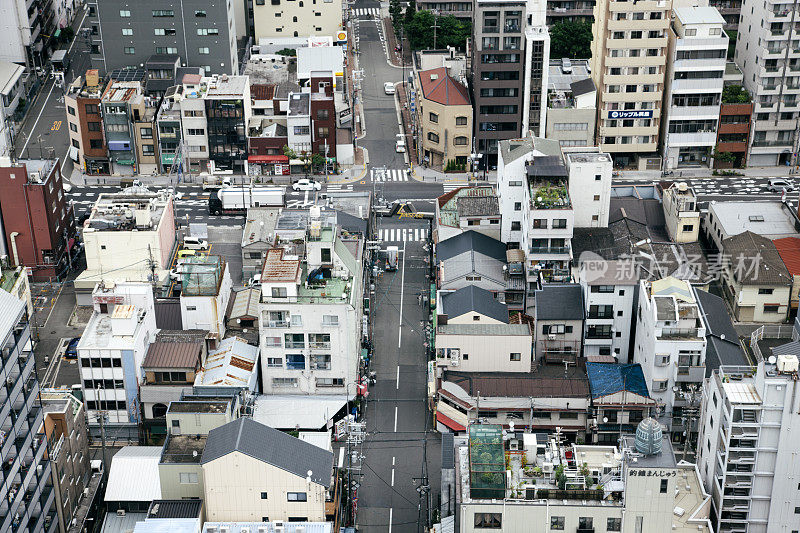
403, 234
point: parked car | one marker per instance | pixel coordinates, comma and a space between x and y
780, 185
186, 253
255, 281
71, 352
566, 65
306, 185
193, 243
389, 88
400, 144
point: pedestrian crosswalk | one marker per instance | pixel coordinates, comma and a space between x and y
367, 12
454, 185
338, 188
388, 175
403, 234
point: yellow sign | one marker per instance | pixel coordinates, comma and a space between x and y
341, 36
56, 125
409, 215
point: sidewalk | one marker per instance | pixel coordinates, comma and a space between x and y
690, 173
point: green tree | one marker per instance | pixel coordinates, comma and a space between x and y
396, 12
450, 31
410, 12
735, 94
572, 39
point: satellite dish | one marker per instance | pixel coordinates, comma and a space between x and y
605, 420
772, 359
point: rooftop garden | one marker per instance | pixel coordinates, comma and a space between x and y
550, 196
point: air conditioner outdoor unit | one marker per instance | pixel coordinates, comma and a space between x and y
120, 512
551, 336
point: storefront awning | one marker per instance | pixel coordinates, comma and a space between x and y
167, 159
124, 161
449, 422
267, 159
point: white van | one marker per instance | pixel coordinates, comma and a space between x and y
193, 243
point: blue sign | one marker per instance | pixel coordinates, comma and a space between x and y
644, 113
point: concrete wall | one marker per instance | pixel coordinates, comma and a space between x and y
171, 486
197, 423
490, 353
233, 487
446, 129
289, 19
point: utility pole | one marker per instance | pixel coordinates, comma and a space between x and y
690, 412
435, 25
152, 265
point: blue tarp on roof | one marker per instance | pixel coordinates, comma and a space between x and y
608, 378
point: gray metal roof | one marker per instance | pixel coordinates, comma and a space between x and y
582, 86
484, 330
448, 452
559, 301
470, 241
475, 299
271, 446
175, 509
12, 309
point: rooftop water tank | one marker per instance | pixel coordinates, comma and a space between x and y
648, 437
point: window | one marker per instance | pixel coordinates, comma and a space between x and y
559, 223
274, 362
295, 361
93, 126
203, 50
163, 13
515, 356
321, 362
664, 484
515, 226
148, 149
130, 50
75, 143
517, 206
127, 31
568, 416
765, 291
207, 31
71, 110
263, 495
302, 130
585, 522
460, 141
73, 127
186, 478
294, 340
602, 288
461, 121
279, 292
95, 144
688, 227
330, 382
146, 133
195, 131
322, 114
433, 117
124, 13
488, 520
296, 496
323, 131
200, 13
557, 523
434, 138
284, 382
771, 308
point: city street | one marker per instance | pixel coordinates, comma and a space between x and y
44, 132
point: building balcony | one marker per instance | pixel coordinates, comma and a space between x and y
275, 323
705, 138
645, 6
733, 147
647, 24
772, 144
645, 61
549, 250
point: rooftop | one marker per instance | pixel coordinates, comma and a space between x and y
558, 80
230, 365
133, 209
698, 15
606, 379
768, 219
449, 210
268, 527
183, 449
260, 225
133, 476
299, 104
513, 149
438, 86
547, 381
765, 264
789, 250
559, 301
226, 86
271, 446
202, 275
195, 406
173, 355
175, 509
547, 180
280, 267
98, 334
484, 330
291, 411
121, 91
472, 299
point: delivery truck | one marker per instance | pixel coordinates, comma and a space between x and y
236, 200
392, 253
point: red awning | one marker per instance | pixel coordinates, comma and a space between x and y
267, 159
449, 422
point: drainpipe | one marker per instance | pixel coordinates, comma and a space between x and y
14, 247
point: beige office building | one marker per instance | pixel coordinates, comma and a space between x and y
297, 19
629, 49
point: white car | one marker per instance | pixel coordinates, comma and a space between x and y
193, 243
255, 281
388, 88
400, 143
306, 185
177, 272
779, 185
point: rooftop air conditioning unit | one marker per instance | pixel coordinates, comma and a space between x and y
120, 512
787, 363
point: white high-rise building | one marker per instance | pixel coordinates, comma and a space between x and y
747, 447
693, 86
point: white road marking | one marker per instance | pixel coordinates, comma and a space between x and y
390, 520
400, 328
37, 120
392, 477
395, 419
397, 386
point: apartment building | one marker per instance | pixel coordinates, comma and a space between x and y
629, 54
228, 111
310, 313
194, 124
444, 115
571, 105
696, 56
549, 485
124, 233
609, 293
111, 351
122, 102
38, 222
125, 33
275, 19
252, 472
670, 345
681, 212
747, 439
28, 495
768, 53
84, 123
467, 209
620, 400
561, 10
26, 30
730, 11
510, 54
733, 134
12, 94
67, 434
590, 172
